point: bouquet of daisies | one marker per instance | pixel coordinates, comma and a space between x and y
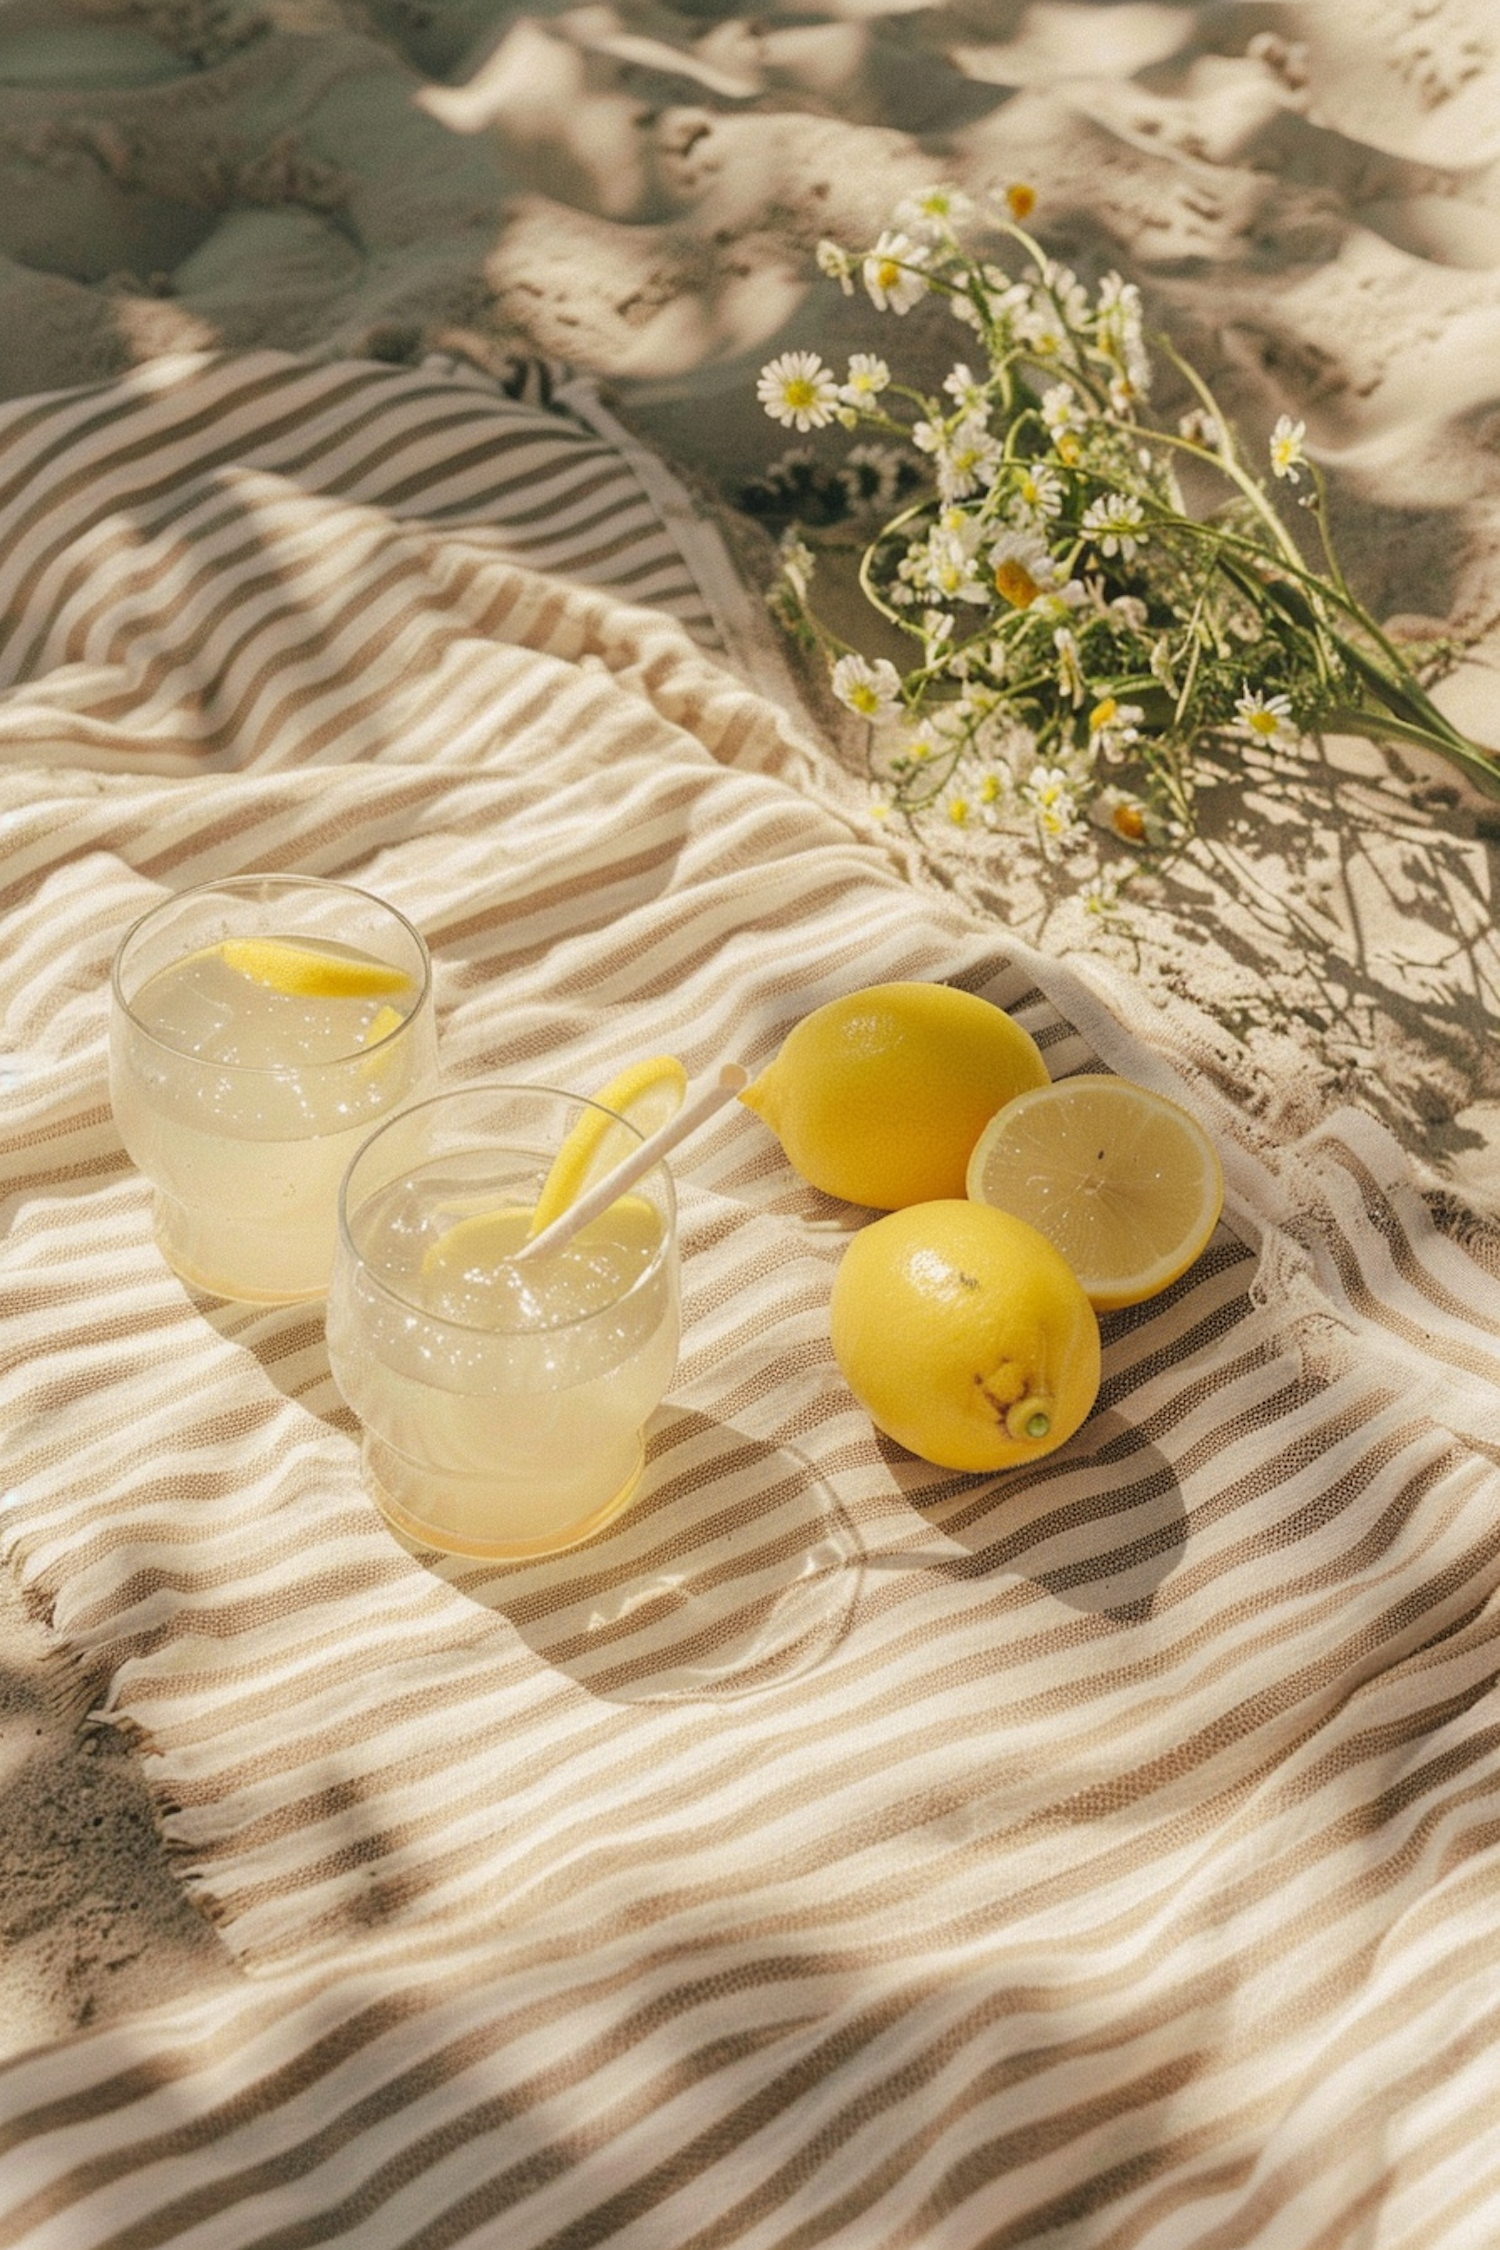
1075, 627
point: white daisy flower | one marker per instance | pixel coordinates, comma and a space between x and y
1116, 523
1038, 488
1061, 409
798, 391
1113, 726
1288, 458
1049, 797
867, 378
1067, 293
1059, 602
836, 262
934, 209
1021, 567
868, 689
968, 460
1267, 717
1200, 427
967, 391
1102, 895
1126, 816
1043, 331
892, 273
1120, 332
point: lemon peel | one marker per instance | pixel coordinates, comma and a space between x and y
645, 1094
964, 1335
307, 972
879, 1096
1124, 1183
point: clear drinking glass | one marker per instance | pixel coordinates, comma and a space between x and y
503, 1405
260, 1028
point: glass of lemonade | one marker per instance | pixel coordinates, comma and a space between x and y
503, 1404
260, 1029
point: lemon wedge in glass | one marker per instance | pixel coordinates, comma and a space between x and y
645, 1094
1123, 1182
308, 970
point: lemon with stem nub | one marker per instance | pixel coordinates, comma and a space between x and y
965, 1335
879, 1096
1123, 1182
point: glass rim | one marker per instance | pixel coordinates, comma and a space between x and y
489, 1087
288, 882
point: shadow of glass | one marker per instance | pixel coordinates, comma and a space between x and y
1100, 1523
734, 1570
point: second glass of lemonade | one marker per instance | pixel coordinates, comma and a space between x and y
260, 1029
503, 1404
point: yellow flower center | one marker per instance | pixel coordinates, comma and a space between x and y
864, 699
989, 789
1126, 821
800, 392
958, 810
1263, 723
887, 273
1015, 582
1021, 198
1102, 713
1068, 449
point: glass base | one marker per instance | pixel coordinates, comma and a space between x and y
181, 1243
420, 1533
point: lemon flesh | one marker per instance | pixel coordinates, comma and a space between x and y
310, 971
964, 1335
1126, 1185
645, 1094
879, 1097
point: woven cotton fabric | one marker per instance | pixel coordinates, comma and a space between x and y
837, 1851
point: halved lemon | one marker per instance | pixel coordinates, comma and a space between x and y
645, 1094
310, 971
1124, 1183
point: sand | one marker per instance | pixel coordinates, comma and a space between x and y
1309, 196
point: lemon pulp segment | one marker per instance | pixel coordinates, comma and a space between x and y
1125, 1184
310, 971
645, 1094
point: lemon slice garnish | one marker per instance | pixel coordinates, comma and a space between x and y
1124, 1183
645, 1095
631, 1227
308, 972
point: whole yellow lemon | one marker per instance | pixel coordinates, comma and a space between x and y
880, 1096
965, 1335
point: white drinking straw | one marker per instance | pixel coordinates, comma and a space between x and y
732, 1079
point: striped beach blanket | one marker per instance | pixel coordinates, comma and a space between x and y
837, 1851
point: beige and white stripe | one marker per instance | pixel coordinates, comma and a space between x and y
837, 1851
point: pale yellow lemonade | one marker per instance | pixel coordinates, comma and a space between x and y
244, 1102
502, 1404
